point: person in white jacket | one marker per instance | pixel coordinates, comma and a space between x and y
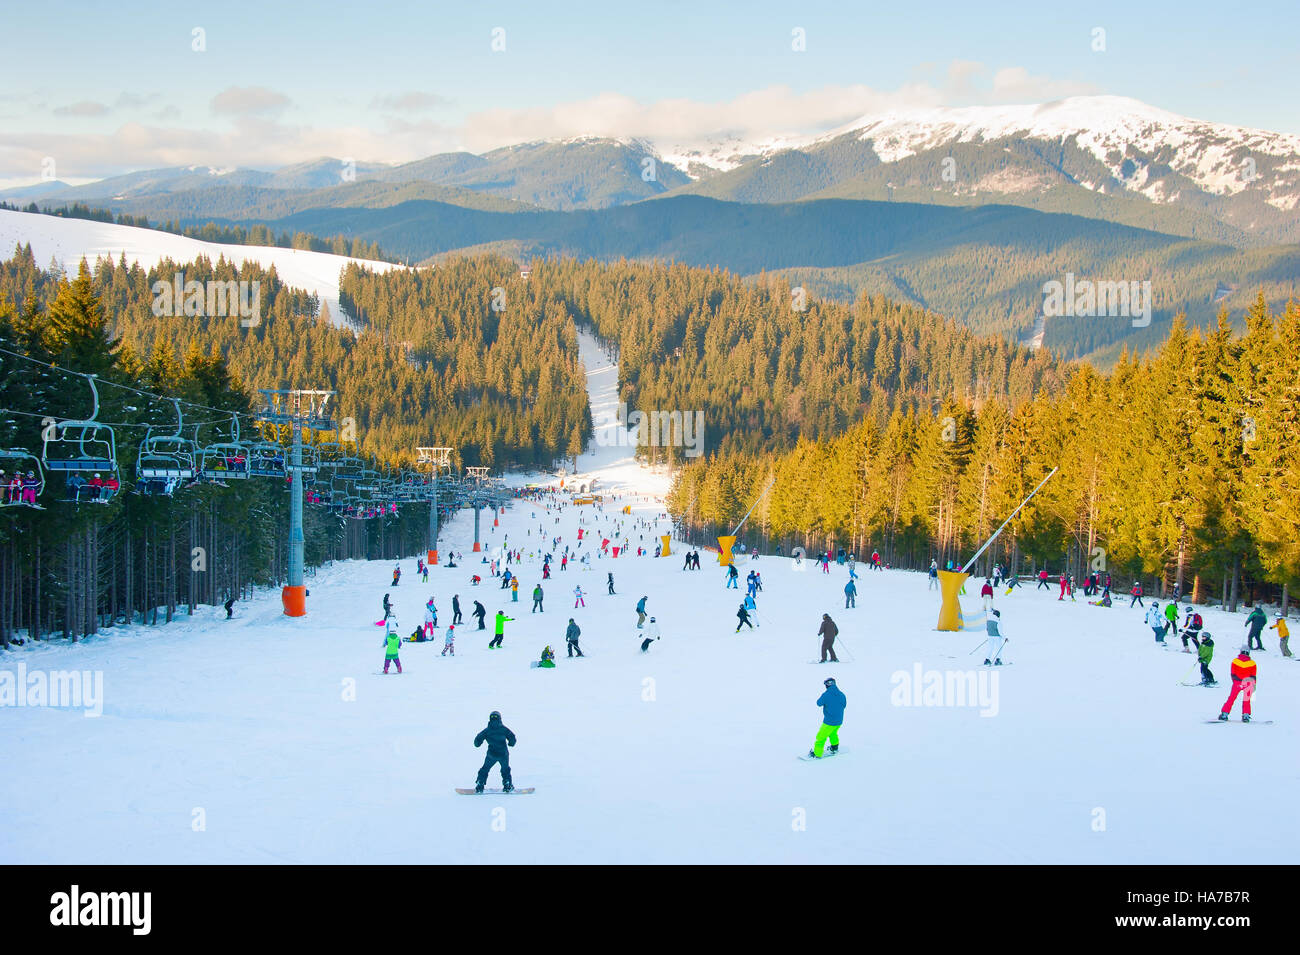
651, 634
430, 619
995, 639
1156, 621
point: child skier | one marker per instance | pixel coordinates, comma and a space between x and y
397, 574
578, 597
1191, 628
1243, 682
743, 616
449, 641
498, 737
832, 702
430, 619
995, 639
392, 643
1206, 653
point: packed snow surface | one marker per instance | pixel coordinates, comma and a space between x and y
270, 739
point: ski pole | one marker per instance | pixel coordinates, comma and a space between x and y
1183, 678
978, 645
845, 647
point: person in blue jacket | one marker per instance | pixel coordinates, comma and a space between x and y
850, 595
832, 703
498, 737
640, 612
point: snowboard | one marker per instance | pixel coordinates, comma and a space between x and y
497, 792
1260, 722
827, 755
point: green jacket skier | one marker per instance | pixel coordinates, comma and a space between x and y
1205, 654
501, 621
1255, 624
392, 643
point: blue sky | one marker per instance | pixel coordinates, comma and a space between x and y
104, 88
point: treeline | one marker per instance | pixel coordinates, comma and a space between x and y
767, 368
72, 569
1175, 468
223, 234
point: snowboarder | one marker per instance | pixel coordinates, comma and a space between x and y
995, 638
500, 632
537, 599
498, 737
397, 574
455, 609
609, 580
832, 702
850, 595
571, 635
449, 641
828, 632
1283, 634
640, 612
1244, 673
392, 643
1204, 654
1156, 621
481, 613
230, 606
1255, 625
651, 635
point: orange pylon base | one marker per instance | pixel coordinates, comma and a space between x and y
477, 547
295, 601
433, 558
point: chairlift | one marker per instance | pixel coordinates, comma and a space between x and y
22, 479
77, 447
225, 460
165, 460
266, 459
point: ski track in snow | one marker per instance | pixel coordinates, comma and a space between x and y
247, 721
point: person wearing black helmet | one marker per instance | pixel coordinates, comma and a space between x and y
996, 639
498, 737
832, 703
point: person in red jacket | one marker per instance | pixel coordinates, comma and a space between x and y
986, 594
1042, 579
1064, 583
1243, 682
1137, 595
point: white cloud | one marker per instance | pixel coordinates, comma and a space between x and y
247, 100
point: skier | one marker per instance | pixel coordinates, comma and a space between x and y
750, 605
480, 612
640, 612
449, 641
397, 574
1156, 621
995, 638
424, 570
498, 737
1283, 634
934, 575
1191, 627
850, 595
455, 609
733, 577
392, 643
578, 597
828, 632
571, 635
388, 607
743, 616
1137, 594
1204, 654
537, 599
986, 594
997, 575
230, 605
832, 702
1244, 673
1255, 624
500, 633
609, 580
1171, 618
1042, 580
1064, 584
430, 619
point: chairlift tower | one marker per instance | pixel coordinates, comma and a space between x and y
478, 475
437, 460
298, 409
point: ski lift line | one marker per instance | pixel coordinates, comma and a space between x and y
112, 424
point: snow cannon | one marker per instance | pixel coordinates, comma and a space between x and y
950, 581
724, 550
294, 600
663, 539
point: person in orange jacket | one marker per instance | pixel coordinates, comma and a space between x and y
1243, 682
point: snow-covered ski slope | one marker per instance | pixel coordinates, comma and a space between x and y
265, 739
68, 241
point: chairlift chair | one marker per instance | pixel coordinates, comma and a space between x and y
22, 479
83, 446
